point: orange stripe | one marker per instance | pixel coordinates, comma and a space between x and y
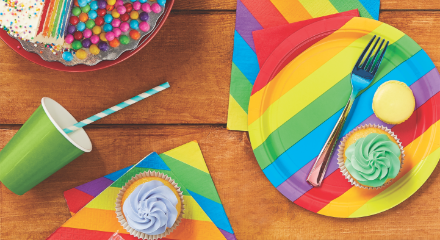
292, 10
314, 54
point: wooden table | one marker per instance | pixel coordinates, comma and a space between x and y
193, 52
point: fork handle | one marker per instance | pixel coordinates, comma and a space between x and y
317, 173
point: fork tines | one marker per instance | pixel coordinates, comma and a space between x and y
371, 64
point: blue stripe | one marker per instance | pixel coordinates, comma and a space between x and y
94, 118
372, 7
79, 124
152, 91
123, 105
116, 175
137, 98
309, 147
153, 161
245, 58
108, 111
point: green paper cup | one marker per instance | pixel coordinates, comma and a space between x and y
40, 147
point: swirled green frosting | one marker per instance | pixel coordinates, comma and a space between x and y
373, 159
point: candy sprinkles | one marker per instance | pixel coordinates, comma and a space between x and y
79, 31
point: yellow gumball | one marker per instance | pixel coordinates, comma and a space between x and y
96, 30
102, 37
115, 13
81, 54
134, 15
111, 2
94, 49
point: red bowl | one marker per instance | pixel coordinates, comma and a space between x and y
16, 46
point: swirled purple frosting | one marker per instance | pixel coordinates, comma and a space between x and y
151, 208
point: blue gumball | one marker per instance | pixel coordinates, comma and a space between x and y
132, 0
92, 14
94, 5
107, 27
162, 2
82, 3
108, 18
143, 1
134, 24
81, 26
67, 56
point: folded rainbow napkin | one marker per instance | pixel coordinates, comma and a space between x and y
92, 204
251, 17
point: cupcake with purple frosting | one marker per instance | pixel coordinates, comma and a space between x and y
150, 205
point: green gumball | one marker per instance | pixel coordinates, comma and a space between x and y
86, 8
76, 45
90, 24
76, 11
124, 39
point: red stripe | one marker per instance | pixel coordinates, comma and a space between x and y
335, 184
43, 16
64, 233
265, 13
76, 199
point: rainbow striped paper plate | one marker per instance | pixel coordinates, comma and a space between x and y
293, 109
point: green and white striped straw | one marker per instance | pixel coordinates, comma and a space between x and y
116, 108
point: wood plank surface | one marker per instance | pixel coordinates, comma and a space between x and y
255, 208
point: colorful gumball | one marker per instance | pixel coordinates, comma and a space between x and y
101, 12
81, 54
162, 2
117, 32
76, 11
108, 18
137, 6
115, 13
143, 16
96, 30
99, 21
87, 33
124, 39
82, 3
119, 3
109, 36
76, 45
75, 2
90, 24
102, 37
92, 14
144, 26
135, 34
103, 46
156, 8
110, 8
74, 20
69, 38
143, 1
134, 15
102, 4
124, 27
71, 29
86, 43
85, 9
111, 2
81, 26
67, 56
134, 24
107, 27
94, 49
116, 23
83, 17
128, 7
146, 7
94, 39
78, 35
124, 17
132, 0
121, 9
94, 5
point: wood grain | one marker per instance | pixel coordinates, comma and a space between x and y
255, 208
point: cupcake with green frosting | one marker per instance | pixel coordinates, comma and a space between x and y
370, 156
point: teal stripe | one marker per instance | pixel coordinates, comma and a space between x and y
152, 91
372, 6
108, 111
123, 105
137, 98
80, 124
93, 118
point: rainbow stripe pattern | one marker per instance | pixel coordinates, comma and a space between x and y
292, 115
253, 15
205, 217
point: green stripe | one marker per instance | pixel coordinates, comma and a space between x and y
56, 23
195, 180
346, 5
241, 88
325, 106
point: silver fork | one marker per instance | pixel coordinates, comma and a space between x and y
361, 77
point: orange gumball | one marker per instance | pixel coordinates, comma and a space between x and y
76, 3
135, 34
114, 43
83, 17
110, 7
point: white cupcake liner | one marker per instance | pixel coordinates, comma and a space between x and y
341, 153
121, 217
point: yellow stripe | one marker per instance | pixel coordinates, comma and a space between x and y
105, 200
190, 154
236, 114
355, 198
312, 86
193, 210
292, 10
319, 8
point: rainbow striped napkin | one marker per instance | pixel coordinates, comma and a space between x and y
255, 15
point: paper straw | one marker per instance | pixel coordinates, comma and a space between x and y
116, 108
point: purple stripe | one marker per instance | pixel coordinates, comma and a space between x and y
245, 24
228, 235
96, 186
295, 186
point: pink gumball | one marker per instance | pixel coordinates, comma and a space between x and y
116, 22
124, 26
121, 9
144, 26
94, 39
146, 7
119, 3
87, 33
117, 32
110, 36
137, 6
69, 38
156, 8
